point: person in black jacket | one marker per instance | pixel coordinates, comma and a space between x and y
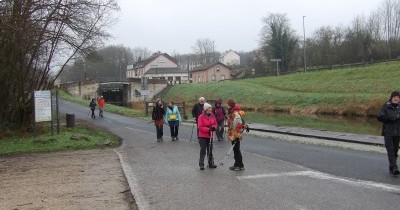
390, 117
92, 106
158, 118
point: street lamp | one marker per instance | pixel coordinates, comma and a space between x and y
304, 46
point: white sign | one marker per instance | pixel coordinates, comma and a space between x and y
42, 101
275, 60
144, 92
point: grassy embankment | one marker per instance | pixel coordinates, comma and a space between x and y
136, 111
354, 91
14, 140
18, 141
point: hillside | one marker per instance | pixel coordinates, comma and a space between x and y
353, 91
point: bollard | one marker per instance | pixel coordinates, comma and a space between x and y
70, 120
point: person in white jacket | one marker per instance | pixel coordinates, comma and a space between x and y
173, 119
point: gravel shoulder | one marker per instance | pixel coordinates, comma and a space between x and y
90, 179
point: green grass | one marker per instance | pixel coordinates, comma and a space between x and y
18, 142
353, 91
109, 107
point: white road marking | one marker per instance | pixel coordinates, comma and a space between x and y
324, 176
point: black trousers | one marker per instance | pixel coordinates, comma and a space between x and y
237, 154
160, 131
205, 146
92, 112
392, 148
174, 128
220, 130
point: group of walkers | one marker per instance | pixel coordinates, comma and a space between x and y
209, 120
101, 102
172, 118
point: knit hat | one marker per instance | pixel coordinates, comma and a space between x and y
231, 103
394, 93
206, 106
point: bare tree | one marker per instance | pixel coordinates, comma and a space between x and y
38, 36
205, 49
278, 38
140, 53
106, 64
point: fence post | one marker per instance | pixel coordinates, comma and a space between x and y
184, 111
146, 107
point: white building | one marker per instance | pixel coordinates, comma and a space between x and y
230, 58
158, 66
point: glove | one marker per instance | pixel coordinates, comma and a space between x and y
212, 128
395, 118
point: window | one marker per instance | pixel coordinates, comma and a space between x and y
199, 79
213, 78
222, 77
217, 68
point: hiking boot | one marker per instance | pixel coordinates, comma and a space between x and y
201, 167
161, 139
236, 168
172, 138
212, 166
395, 171
176, 138
158, 140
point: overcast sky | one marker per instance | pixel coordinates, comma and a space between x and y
174, 25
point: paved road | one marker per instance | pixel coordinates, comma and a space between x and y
278, 175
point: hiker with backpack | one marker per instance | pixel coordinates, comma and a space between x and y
158, 117
220, 116
197, 110
101, 102
236, 126
207, 125
173, 119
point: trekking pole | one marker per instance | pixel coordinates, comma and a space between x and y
223, 136
227, 154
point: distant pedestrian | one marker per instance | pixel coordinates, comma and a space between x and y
101, 102
158, 118
173, 119
197, 110
220, 116
235, 129
390, 117
92, 106
207, 125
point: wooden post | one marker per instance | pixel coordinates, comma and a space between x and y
146, 105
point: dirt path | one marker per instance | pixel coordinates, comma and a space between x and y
90, 179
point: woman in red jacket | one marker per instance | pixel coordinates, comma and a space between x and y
207, 124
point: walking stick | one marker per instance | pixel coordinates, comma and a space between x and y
227, 154
209, 154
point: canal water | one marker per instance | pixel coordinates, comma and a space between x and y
356, 125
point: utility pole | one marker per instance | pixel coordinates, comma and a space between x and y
304, 47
